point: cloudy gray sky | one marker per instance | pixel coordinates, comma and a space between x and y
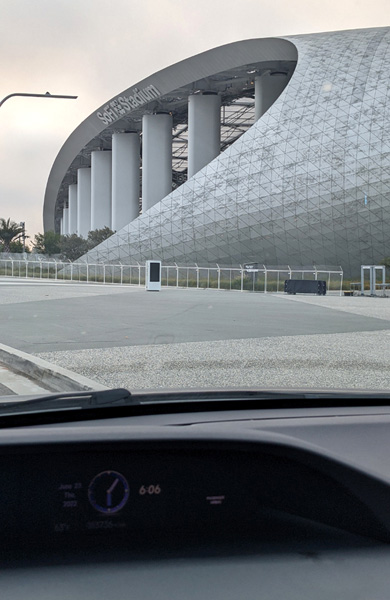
95, 49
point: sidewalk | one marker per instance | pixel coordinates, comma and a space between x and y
14, 383
25, 374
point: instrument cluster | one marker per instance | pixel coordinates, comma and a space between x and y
128, 490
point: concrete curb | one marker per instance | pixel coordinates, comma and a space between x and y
55, 378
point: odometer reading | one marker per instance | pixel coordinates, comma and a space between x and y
108, 492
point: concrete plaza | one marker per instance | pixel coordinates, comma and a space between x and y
125, 336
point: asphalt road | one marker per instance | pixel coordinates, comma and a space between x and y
40, 317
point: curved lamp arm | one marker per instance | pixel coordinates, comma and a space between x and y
47, 95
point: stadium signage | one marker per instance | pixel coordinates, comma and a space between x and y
122, 105
251, 268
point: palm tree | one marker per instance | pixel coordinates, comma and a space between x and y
8, 231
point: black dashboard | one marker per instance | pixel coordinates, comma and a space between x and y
193, 494
63, 491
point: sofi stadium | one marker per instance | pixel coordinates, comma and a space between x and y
269, 150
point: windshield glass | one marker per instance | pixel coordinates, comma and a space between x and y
185, 211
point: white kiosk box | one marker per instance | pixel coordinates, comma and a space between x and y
153, 275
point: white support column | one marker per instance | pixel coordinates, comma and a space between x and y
72, 208
83, 201
156, 158
267, 89
62, 225
204, 130
100, 189
65, 220
125, 178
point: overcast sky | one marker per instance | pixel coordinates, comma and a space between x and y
95, 49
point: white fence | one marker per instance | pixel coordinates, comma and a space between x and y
260, 279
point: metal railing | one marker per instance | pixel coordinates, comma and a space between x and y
261, 279
380, 289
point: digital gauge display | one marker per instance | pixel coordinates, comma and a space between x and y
108, 492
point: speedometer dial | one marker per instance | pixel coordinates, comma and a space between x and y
108, 492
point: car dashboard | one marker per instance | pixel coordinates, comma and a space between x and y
218, 503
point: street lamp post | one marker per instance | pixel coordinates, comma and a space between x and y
47, 95
23, 226
29, 95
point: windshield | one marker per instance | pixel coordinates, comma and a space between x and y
186, 211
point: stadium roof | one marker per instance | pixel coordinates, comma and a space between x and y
227, 70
